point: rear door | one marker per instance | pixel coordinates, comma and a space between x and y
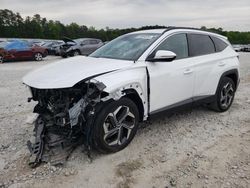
206, 63
23, 51
94, 44
85, 47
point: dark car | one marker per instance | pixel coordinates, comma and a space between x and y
81, 46
51, 46
246, 48
21, 50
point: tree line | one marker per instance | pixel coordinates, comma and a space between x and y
13, 25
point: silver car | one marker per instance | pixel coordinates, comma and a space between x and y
81, 46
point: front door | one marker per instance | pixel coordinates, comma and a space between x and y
171, 82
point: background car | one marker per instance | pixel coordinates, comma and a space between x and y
21, 50
237, 47
82, 46
246, 48
51, 46
57, 48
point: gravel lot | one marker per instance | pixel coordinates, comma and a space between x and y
194, 148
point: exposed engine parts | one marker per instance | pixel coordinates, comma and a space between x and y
65, 117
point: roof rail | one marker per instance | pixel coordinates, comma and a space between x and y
174, 27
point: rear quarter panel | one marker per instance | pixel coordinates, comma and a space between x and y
210, 68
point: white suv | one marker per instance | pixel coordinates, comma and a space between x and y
101, 98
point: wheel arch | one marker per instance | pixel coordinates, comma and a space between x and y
134, 92
233, 74
134, 96
77, 49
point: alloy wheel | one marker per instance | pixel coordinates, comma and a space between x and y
76, 53
118, 126
227, 94
38, 57
1, 59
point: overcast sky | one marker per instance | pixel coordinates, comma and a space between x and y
228, 14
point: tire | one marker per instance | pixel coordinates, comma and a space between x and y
38, 56
1, 59
115, 125
224, 95
76, 53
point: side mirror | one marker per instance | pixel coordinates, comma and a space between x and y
163, 55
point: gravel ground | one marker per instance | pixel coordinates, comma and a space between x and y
194, 148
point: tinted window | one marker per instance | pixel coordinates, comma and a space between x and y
93, 42
177, 44
219, 44
200, 45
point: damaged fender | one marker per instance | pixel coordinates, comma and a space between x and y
118, 82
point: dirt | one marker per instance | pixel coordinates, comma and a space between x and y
192, 148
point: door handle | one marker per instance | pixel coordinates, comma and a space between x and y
188, 71
221, 64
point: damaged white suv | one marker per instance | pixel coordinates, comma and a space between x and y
99, 100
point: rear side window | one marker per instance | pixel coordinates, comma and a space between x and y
219, 44
177, 44
200, 45
93, 42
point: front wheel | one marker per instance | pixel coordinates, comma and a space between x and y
224, 95
115, 125
38, 56
76, 53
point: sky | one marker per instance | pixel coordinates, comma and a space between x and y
228, 14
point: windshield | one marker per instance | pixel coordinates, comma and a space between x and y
126, 47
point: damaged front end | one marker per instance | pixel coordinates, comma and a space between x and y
64, 121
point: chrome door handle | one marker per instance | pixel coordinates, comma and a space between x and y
188, 71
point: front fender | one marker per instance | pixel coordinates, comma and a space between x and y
119, 81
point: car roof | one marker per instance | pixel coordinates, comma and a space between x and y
184, 29
86, 39
160, 31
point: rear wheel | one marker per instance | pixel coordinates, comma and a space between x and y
116, 125
38, 56
224, 95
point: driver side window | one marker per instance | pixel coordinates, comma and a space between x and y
176, 43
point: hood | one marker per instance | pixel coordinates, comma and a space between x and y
66, 39
68, 72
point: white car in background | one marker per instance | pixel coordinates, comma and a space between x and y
237, 47
101, 98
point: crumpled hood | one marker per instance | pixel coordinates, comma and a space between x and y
66, 73
66, 39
